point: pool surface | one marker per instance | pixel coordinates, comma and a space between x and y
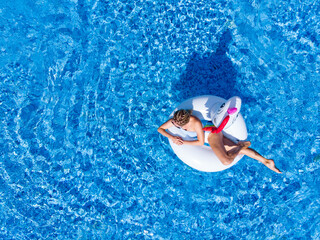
84, 85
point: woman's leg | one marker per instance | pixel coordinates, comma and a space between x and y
225, 150
255, 155
230, 146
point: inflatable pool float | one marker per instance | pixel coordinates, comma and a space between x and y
209, 109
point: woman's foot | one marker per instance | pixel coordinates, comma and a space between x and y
270, 164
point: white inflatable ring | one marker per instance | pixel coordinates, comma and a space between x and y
209, 108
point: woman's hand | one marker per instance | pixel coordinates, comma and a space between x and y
177, 140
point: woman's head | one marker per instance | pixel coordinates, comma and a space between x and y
182, 117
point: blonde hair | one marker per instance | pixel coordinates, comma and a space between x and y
182, 116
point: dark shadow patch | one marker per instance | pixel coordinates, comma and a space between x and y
210, 74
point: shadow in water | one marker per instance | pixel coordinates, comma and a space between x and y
210, 74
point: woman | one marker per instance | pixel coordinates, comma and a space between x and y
225, 149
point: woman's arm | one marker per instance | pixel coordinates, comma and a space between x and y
162, 130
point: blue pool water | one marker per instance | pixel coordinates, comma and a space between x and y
84, 84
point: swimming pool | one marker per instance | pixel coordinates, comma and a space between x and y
85, 84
